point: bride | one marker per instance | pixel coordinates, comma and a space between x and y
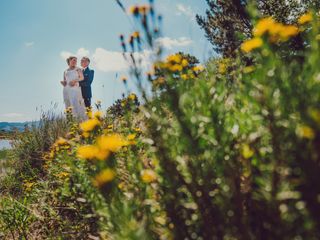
71, 89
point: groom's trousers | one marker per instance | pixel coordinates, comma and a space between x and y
87, 102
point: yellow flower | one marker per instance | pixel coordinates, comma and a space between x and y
87, 152
175, 58
198, 68
305, 18
184, 63
175, 68
62, 175
148, 176
248, 69
89, 125
112, 143
98, 114
251, 44
107, 175
184, 76
315, 115
132, 97
222, 68
246, 151
131, 137
288, 31
263, 26
304, 131
85, 134
61, 141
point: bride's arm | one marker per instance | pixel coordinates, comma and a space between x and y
80, 74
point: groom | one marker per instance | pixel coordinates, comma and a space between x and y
85, 85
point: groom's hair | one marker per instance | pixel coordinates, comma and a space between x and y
70, 58
86, 58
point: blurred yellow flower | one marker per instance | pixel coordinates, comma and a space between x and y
112, 142
198, 68
288, 31
263, 26
107, 175
132, 97
131, 137
184, 76
184, 63
98, 114
87, 152
175, 68
307, 132
89, 125
305, 18
251, 44
222, 68
61, 141
248, 69
246, 151
148, 176
85, 134
177, 58
315, 115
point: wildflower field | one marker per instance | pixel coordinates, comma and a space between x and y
225, 150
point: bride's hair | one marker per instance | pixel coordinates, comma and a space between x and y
70, 58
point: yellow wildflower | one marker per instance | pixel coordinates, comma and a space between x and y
246, 151
174, 58
148, 176
132, 97
131, 137
248, 69
85, 134
98, 114
107, 175
184, 76
263, 26
304, 131
251, 44
112, 143
288, 31
222, 68
88, 152
305, 18
184, 63
89, 125
61, 141
315, 115
62, 175
175, 68
198, 68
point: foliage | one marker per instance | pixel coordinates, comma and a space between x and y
227, 23
229, 153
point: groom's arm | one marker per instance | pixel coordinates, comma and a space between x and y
87, 79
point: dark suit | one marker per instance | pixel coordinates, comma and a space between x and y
85, 85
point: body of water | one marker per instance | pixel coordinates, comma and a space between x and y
5, 144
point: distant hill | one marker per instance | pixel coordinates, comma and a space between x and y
9, 126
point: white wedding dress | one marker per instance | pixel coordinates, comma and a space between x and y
72, 95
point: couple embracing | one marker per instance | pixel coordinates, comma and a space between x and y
76, 83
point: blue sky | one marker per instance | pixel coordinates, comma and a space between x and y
36, 36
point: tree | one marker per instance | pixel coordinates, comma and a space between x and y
227, 22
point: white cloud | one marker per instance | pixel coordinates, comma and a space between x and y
113, 61
108, 61
12, 115
185, 10
170, 43
82, 52
29, 44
